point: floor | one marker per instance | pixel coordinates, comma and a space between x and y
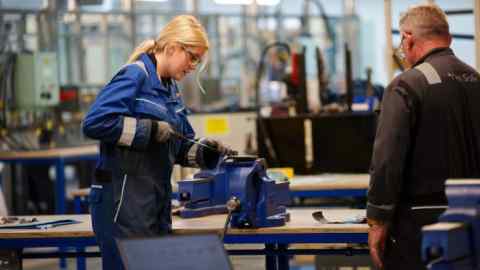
302, 262
238, 262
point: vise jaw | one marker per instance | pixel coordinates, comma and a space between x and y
454, 242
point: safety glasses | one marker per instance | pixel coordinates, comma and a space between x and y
399, 51
194, 58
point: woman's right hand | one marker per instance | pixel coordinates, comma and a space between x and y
164, 131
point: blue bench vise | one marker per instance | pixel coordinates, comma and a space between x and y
454, 242
254, 199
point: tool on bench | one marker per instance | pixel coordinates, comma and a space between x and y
454, 242
357, 219
37, 223
238, 185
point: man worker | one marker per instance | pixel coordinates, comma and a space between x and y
428, 131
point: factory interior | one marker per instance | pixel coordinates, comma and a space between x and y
279, 116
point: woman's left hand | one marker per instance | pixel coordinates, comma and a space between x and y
220, 147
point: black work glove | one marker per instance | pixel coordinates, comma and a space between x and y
163, 132
208, 156
219, 147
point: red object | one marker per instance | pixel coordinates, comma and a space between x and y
295, 77
68, 94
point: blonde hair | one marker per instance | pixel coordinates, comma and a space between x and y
425, 21
183, 29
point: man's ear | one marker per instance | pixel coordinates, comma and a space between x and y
409, 40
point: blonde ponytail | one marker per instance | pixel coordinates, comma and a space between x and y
147, 46
183, 29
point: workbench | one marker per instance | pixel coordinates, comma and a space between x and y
302, 228
57, 157
329, 185
301, 186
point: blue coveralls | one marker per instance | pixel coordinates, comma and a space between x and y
137, 201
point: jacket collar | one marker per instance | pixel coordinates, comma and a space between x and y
433, 53
152, 73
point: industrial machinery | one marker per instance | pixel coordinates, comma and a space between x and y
42, 87
241, 182
454, 242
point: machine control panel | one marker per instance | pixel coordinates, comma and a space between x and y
37, 83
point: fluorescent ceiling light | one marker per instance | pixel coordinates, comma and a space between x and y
268, 2
234, 2
248, 2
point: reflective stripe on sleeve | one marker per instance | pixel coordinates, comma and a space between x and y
427, 207
128, 131
386, 207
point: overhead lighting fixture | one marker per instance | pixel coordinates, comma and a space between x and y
248, 2
153, 1
268, 2
234, 2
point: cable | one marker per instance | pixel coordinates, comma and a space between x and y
7, 85
7, 68
260, 68
261, 124
323, 14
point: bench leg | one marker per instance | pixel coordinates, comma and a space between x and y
270, 260
81, 261
11, 259
283, 259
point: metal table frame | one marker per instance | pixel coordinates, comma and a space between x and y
59, 163
276, 248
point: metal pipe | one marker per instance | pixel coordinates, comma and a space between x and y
459, 12
477, 33
106, 45
388, 34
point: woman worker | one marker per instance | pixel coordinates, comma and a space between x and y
141, 122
